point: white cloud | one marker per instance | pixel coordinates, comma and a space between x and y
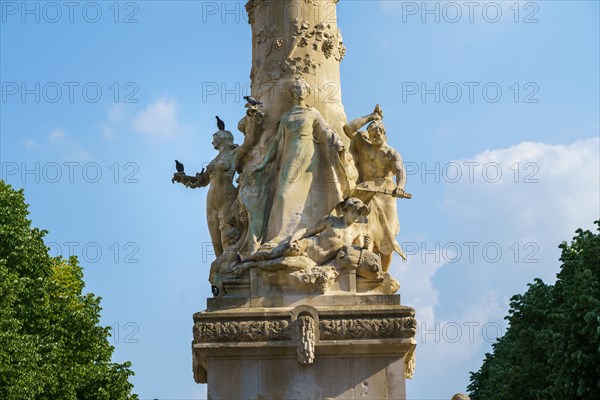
390, 7
108, 132
117, 113
544, 193
116, 116
30, 143
59, 143
78, 154
158, 119
416, 284
67, 146
57, 134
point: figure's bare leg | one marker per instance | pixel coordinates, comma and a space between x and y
257, 256
215, 232
278, 251
265, 265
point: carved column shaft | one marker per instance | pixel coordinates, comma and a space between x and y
292, 38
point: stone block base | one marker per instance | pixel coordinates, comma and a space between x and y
362, 351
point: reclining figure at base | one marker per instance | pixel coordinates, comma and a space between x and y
318, 245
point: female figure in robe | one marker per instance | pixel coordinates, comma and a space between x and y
309, 175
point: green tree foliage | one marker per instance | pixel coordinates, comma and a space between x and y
51, 346
551, 349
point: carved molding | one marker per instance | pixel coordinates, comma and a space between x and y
305, 329
242, 331
373, 328
281, 330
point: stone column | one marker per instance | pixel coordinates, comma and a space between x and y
296, 38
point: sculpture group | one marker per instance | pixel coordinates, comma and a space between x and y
304, 207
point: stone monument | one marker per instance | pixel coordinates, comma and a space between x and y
303, 220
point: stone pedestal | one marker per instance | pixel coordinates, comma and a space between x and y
363, 349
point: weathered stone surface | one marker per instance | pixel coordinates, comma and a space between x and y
371, 377
315, 195
304, 305
369, 350
293, 38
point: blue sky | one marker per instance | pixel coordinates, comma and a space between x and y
502, 154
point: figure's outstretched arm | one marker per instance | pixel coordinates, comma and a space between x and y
322, 131
353, 126
320, 226
203, 178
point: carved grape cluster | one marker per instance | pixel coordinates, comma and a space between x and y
342, 50
327, 48
322, 37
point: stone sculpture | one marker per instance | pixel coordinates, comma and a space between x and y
305, 334
288, 210
251, 126
321, 242
303, 219
309, 178
377, 164
221, 193
252, 182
